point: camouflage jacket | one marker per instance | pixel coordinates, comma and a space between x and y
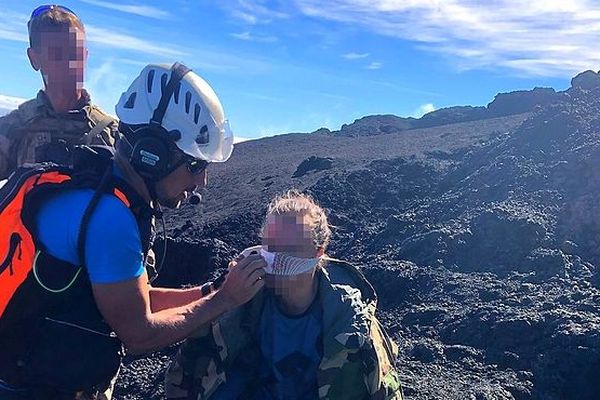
26, 132
358, 356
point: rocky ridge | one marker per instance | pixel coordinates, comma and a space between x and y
504, 104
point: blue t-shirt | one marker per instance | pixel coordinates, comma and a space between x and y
291, 353
291, 350
113, 249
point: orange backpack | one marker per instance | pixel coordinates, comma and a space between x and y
17, 246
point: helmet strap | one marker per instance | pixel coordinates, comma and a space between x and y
151, 185
177, 73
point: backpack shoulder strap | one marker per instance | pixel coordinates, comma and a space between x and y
87, 215
383, 377
111, 185
101, 121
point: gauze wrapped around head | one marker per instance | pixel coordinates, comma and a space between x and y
282, 264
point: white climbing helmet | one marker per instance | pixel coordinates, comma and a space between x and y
193, 109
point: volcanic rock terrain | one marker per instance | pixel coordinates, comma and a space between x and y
478, 226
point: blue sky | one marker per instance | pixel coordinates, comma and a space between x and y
297, 65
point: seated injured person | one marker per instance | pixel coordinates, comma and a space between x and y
310, 333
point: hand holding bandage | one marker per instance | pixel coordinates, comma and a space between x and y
242, 280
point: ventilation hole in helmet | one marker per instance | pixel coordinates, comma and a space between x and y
150, 79
175, 135
130, 103
163, 82
188, 101
196, 112
202, 137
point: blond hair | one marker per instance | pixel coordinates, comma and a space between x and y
296, 202
54, 20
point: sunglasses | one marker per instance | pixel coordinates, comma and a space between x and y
196, 166
47, 7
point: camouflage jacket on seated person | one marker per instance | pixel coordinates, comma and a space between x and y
359, 359
35, 132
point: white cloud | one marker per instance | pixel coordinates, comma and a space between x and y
242, 35
16, 36
247, 36
144, 11
240, 139
9, 103
254, 12
202, 58
374, 65
244, 17
422, 110
355, 56
13, 26
106, 83
116, 40
549, 38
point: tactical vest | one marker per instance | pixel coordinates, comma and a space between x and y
50, 328
42, 136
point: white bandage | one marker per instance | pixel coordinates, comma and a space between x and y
282, 264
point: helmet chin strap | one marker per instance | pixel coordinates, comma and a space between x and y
151, 185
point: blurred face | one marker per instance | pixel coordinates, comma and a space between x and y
290, 234
178, 185
61, 58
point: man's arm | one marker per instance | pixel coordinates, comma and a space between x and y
164, 298
126, 306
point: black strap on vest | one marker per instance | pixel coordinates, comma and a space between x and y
177, 72
87, 215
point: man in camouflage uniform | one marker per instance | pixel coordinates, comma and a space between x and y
44, 128
252, 353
